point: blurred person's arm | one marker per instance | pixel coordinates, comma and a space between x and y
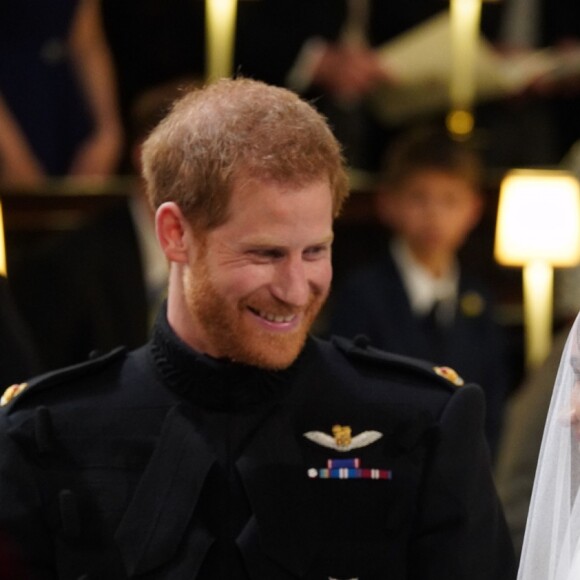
17, 161
100, 153
564, 80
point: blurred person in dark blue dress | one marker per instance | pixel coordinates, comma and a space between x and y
58, 107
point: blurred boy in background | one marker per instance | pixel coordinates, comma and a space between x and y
416, 300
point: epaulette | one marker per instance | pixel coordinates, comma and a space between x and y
59, 376
360, 349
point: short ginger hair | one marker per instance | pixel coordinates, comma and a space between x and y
238, 129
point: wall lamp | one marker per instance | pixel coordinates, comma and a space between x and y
538, 227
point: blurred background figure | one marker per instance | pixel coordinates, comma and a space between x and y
100, 286
551, 546
525, 419
539, 125
323, 49
154, 41
416, 299
58, 108
347, 71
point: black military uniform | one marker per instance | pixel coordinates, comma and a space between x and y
166, 464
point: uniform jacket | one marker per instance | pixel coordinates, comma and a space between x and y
166, 464
373, 301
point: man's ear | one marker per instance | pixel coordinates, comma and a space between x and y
173, 232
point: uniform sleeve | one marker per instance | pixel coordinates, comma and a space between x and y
461, 532
26, 545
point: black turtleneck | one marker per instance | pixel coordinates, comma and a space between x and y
227, 402
217, 384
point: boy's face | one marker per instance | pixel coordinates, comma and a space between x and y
432, 210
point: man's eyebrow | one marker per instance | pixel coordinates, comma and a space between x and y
268, 242
326, 240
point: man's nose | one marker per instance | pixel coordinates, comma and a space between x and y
291, 283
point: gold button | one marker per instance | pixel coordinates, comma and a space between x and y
12, 392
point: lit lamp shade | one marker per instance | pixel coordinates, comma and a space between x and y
538, 228
538, 218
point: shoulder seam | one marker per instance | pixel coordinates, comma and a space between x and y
365, 352
64, 374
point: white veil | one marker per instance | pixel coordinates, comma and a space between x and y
551, 549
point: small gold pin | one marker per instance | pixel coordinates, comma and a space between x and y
342, 435
12, 392
449, 374
472, 304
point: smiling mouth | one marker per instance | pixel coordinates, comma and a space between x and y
276, 318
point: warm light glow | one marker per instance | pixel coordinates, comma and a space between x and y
538, 227
538, 286
465, 17
220, 35
460, 123
3, 268
538, 218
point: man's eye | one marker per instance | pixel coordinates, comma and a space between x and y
267, 254
316, 252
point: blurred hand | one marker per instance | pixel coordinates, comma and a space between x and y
18, 163
350, 73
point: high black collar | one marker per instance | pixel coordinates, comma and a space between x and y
218, 384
